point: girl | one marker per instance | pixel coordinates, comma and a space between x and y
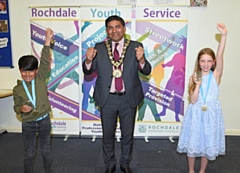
202, 134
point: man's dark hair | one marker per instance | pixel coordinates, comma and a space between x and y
114, 17
28, 62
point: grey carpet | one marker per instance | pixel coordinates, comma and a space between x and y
80, 155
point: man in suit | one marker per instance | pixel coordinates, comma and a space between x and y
118, 89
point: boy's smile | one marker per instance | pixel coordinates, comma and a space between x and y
28, 75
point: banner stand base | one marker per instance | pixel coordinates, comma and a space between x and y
66, 138
94, 138
171, 139
146, 139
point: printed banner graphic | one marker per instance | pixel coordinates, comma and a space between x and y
165, 40
163, 32
93, 31
63, 79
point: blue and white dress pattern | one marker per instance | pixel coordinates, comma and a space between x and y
202, 132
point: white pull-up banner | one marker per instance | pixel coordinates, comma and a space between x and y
163, 32
63, 80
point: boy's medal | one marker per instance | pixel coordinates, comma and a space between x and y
32, 99
34, 113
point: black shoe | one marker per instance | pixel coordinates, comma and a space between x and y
126, 170
110, 170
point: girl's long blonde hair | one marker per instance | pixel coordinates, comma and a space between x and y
204, 51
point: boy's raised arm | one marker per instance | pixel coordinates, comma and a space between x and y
49, 36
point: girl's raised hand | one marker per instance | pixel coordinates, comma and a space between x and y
221, 28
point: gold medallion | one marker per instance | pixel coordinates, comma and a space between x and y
34, 113
117, 73
204, 108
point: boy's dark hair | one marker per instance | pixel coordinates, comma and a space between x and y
28, 62
114, 17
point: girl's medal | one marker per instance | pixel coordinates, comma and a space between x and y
204, 107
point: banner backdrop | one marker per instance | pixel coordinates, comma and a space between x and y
5, 36
163, 32
93, 31
63, 80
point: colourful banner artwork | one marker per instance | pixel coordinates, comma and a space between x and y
163, 32
5, 36
63, 80
93, 31
165, 40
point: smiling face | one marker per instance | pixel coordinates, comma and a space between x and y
115, 30
28, 75
206, 63
28, 67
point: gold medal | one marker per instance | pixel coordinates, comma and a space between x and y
34, 113
117, 73
204, 108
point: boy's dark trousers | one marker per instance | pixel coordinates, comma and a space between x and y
29, 131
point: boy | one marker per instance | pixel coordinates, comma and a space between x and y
31, 102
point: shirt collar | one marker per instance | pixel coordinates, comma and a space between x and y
121, 42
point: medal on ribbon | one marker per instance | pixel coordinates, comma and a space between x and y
204, 107
32, 99
35, 113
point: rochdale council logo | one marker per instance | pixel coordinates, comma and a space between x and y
142, 128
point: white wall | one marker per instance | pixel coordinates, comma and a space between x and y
201, 33
202, 29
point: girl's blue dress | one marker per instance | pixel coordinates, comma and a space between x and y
202, 132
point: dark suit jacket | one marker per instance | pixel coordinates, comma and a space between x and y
132, 83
